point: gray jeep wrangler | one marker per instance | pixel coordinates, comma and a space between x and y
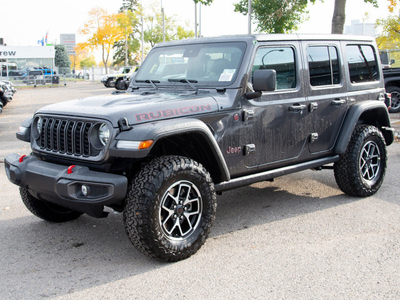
203, 116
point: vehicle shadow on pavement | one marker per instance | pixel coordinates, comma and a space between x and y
269, 202
89, 252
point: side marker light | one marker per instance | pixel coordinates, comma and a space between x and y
145, 144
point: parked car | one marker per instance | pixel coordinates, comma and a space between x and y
35, 77
6, 94
10, 86
6, 68
392, 85
17, 74
386, 61
203, 116
109, 79
121, 81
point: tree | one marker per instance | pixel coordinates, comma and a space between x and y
80, 53
126, 50
276, 16
154, 32
392, 5
390, 36
339, 15
103, 31
61, 59
205, 2
82, 58
129, 5
88, 62
120, 52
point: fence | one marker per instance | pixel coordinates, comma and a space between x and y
91, 74
87, 74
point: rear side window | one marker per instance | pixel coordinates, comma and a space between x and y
323, 65
280, 59
362, 63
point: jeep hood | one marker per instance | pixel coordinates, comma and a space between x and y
136, 108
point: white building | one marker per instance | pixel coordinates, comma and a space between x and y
360, 28
19, 57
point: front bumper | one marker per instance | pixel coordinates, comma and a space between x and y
53, 183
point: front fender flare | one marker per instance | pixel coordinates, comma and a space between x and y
162, 129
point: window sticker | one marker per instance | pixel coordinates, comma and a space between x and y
227, 75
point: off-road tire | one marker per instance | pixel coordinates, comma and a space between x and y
47, 211
120, 85
361, 169
108, 83
156, 222
395, 91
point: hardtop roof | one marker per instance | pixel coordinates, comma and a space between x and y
270, 37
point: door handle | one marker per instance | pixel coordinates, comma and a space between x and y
338, 102
248, 115
298, 108
313, 106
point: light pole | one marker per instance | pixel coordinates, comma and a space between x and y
195, 19
199, 19
126, 39
163, 22
197, 24
249, 17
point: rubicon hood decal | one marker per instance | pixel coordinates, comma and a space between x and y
178, 111
136, 108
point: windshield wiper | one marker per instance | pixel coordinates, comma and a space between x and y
153, 82
184, 80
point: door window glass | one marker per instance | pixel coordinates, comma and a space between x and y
280, 59
323, 65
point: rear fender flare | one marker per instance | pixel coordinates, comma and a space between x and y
368, 112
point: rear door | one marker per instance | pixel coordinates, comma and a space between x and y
326, 93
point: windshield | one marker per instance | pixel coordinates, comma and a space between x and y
199, 64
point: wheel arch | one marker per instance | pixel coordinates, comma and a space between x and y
392, 81
184, 136
194, 145
369, 112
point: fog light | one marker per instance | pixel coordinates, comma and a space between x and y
85, 190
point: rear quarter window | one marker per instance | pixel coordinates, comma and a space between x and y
362, 63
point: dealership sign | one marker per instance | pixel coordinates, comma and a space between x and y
8, 53
26, 52
69, 41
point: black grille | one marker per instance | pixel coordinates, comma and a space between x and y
66, 137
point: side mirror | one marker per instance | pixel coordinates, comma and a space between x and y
264, 80
392, 61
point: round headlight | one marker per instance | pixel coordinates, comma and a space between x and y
39, 124
104, 134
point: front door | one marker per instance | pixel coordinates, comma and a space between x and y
276, 121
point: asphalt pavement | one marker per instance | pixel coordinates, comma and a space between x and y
298, 237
